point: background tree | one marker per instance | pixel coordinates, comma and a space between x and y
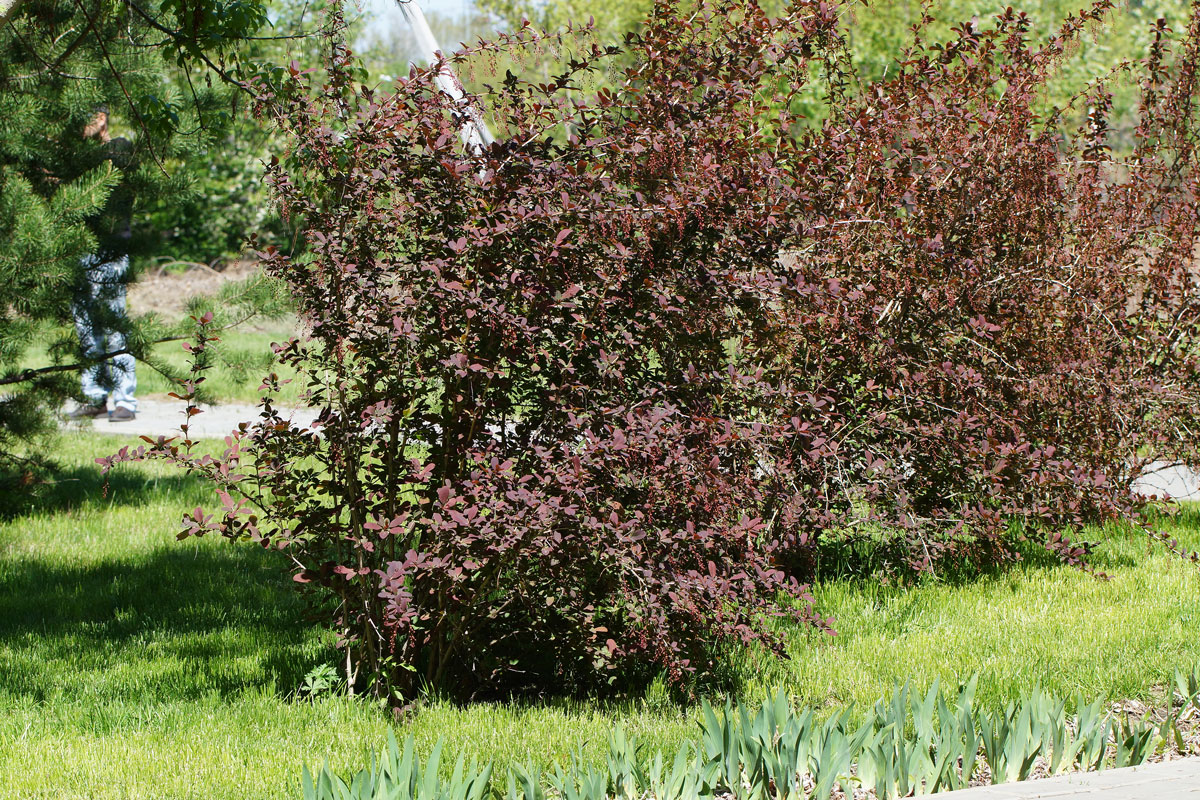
225, 198
878, 32
170, 75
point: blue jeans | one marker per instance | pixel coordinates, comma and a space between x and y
100, 299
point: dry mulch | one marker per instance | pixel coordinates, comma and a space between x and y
165, 290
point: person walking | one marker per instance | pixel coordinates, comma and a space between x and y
99, 302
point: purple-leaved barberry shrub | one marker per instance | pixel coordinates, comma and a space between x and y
591, 398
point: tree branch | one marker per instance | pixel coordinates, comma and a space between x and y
8, 8
116, 73
27, 375
176, 39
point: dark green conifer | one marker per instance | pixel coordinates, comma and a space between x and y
166, 73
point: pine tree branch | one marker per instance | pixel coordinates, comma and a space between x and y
58, 62
176, 40
117, 75
26, 375
187, 73
50, 68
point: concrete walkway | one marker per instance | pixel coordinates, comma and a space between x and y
1171, 480
1172, 780
158, 417
162, 417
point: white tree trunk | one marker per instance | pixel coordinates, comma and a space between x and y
474, 131
7, 9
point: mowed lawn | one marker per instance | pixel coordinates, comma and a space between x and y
136, 666
241, 360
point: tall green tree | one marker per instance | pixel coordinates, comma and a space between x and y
880, 31
225, 198
166, 71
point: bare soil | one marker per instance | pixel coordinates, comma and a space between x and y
165, 290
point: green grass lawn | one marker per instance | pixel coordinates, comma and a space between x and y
136, 666
243, 359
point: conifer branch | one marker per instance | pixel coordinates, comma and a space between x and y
116, 73
26, 375
175, 40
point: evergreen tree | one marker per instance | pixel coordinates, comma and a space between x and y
166, 74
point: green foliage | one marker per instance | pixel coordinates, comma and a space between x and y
241, 360
879, 32
907, 744
168, 76
400, 775
611, 18
223, 199
321, 680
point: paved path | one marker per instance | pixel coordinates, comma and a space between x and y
158, 417
1169, 479
1173, 780
162, 417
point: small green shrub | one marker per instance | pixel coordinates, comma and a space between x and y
321, 680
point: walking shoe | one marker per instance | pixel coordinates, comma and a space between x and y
121, 414
86, 412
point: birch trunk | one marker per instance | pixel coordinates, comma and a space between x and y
474, 131
7, 9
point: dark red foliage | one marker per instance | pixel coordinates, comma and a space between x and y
591, 397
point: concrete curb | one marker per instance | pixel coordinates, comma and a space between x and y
1170, 780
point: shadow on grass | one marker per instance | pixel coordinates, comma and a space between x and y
884, 562
177, 623
75, 487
